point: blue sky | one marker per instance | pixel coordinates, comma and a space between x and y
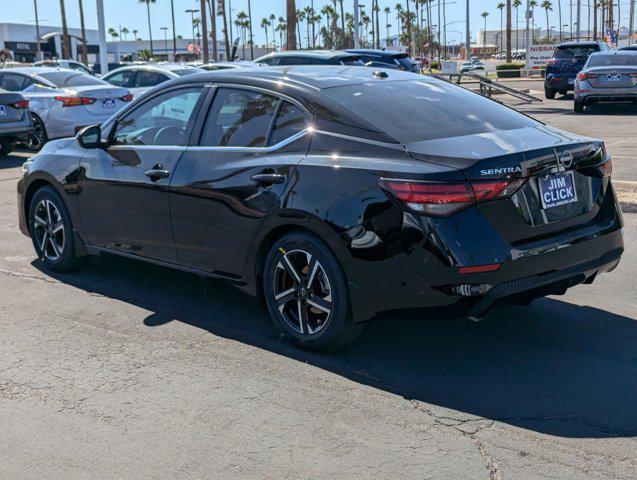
131, 14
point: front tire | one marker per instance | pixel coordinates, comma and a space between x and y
52, 231
306, 293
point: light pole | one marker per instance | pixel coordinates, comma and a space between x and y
192, 12
527, 34
357, 6
467, 53
101, 28
37, 31
165, 29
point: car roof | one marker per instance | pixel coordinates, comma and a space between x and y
614, 52
327, 54
308, 77
374, 50
576, 43
153, 67
37, 70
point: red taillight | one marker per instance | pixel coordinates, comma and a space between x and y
552, 61
75, 101
586, 76
21, 104
128, 97
606, 168
492, 267
445, 198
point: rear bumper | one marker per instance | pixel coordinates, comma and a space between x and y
607, 97
14, 133
560, 82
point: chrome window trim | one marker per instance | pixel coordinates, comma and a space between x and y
270, 149
263, 90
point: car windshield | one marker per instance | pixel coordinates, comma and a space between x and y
405, 109
403, 60
71, 79
353, 60
186, 71
613, 61
567, 52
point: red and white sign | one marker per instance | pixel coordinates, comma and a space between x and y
194, 48
539, 55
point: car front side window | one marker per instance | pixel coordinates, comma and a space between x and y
161, 120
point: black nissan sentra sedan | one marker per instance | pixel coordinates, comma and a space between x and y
334, 194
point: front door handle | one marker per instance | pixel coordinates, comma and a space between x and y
267, 179
157, 173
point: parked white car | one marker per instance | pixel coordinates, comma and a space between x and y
63, 101
68, 64
139, 78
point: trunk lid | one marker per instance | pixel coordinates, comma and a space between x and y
612, 77
8, 113
552, 161
108, 99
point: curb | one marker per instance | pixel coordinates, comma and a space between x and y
627, 195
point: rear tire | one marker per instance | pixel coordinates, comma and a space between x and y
36, 140
6, 149
549, 93
52, 231
578, 106
306, 293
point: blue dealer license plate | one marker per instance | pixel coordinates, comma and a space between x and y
557, 189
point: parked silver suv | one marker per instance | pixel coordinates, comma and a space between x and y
15, 120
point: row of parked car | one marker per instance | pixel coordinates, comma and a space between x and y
56, 99
593, 72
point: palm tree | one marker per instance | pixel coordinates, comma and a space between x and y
265, 23
290, 13
485, 15
281, 29
125, 32
342, 25
516, 4
222, 4
84, 47
242, 24
376, 10
309, 17
272, 19
500, 7
66, 40
213, 31
508, 59
399, 18
112, 32
547, 6
150, 32
387, 11
559, 17
532, 5
135, 32
172, 14
300, 16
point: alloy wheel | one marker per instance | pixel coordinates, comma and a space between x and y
48, 227
35, 141
302, 292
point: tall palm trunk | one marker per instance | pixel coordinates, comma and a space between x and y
225, 32
250, 26
213, 31
66, 41
84, 47
150, 31
501, 29
409, 51
290, 9
508, 31
204, 27
559, 15
342, 26
377, 26
172, 12
594, 19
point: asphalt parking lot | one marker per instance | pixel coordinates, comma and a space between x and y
124, 370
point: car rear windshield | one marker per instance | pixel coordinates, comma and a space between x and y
565, 52
419, 110
186, 71
71, 79
613, 61
352, 60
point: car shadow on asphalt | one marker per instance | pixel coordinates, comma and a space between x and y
554, 367
11, 161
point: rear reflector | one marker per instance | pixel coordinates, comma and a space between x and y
606, 168
128, 97
438, 198
75, 101
492, 267
21, 104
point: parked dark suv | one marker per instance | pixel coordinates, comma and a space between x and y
387, 59
568, 60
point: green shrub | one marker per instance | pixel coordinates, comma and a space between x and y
510, 66
435, 65
509, 70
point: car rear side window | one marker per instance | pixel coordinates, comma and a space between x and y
239, 118
13, 82
161, 120
567, 52
149, 79
289, 121
419, 110
122, 79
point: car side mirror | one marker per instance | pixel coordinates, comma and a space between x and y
90, 137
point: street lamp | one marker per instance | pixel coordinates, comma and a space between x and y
165, 29
192, 12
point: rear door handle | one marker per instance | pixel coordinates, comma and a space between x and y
157, 173
268, 178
